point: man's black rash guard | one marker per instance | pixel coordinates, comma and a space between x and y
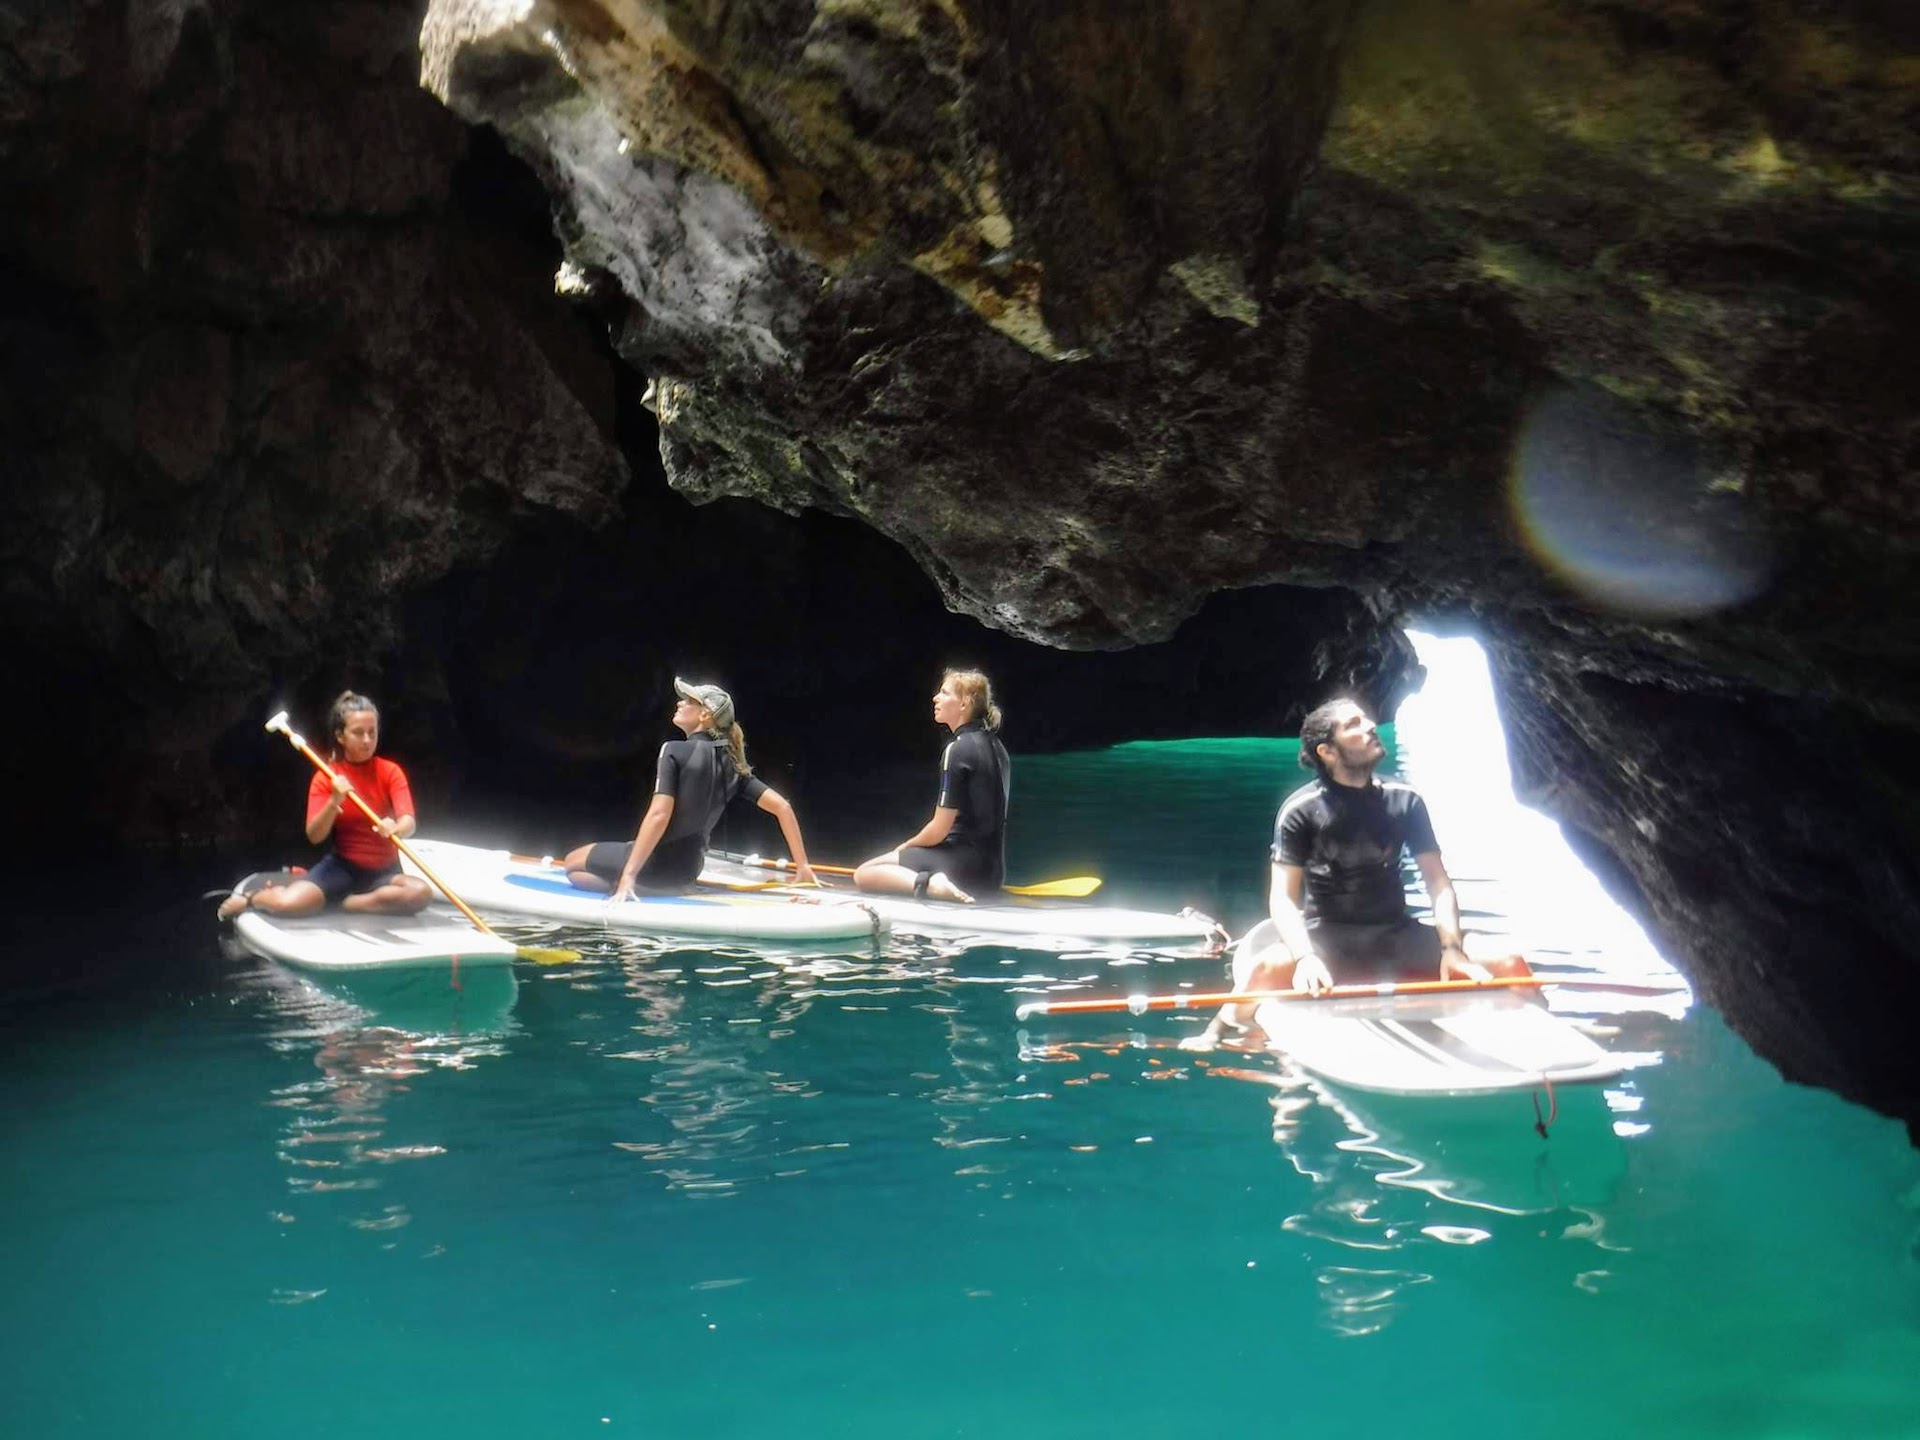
1348, 841
975, 781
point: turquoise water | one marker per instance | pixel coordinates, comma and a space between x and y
669, 1191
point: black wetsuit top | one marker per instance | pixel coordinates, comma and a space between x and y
698, 773
975, 781
1349, 841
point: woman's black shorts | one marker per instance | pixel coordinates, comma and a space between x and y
962, 864
673, 866
338, 878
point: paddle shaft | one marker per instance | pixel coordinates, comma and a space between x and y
1078, 886
789, 865
1140, 1004
333, 776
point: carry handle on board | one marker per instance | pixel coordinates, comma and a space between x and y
278, 725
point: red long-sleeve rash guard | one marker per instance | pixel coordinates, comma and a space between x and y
383, 785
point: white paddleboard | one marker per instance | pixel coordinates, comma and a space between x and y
495, 880
1461, 1043
341, 942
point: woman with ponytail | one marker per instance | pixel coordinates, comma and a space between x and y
695, 780
361, 869
964, 846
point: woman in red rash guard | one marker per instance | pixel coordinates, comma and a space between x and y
361, 869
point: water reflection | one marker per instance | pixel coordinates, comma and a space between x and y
373, 1040
723, 1075
1393, 1182
730, 1069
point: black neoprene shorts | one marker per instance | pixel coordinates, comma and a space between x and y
966, 867
672, 866
1366, 954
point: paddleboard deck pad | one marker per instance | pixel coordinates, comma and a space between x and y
1461, 1043
495, 880
344, 942
1046, 921
1434, 1044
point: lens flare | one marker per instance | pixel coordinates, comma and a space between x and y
1632, 516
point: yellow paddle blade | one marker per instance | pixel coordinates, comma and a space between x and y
546, 955
1076, 886
718, 883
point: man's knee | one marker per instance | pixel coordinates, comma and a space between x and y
1263, 973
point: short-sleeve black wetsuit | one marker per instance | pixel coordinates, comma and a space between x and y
1348, 839
975, 781
698, 773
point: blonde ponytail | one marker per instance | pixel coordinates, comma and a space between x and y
737, 748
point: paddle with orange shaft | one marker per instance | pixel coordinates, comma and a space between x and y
1077, 887
1141, 1004
278, 725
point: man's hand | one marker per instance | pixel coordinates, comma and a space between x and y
624, 890
1454, 965
803, 875
1312, 975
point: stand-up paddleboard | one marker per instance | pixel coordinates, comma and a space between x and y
344, 942
1460, 1043
498, 881
1004, 920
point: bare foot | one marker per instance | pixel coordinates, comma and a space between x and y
939, 887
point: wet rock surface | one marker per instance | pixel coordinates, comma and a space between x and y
270, 360
1587, 325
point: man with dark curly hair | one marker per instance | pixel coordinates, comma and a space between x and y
1336, 895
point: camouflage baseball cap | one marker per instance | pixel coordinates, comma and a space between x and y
710, 696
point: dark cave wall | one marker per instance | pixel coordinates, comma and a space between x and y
290, 405
1777, 835
274, 354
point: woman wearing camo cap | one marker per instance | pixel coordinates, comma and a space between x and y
696, 779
